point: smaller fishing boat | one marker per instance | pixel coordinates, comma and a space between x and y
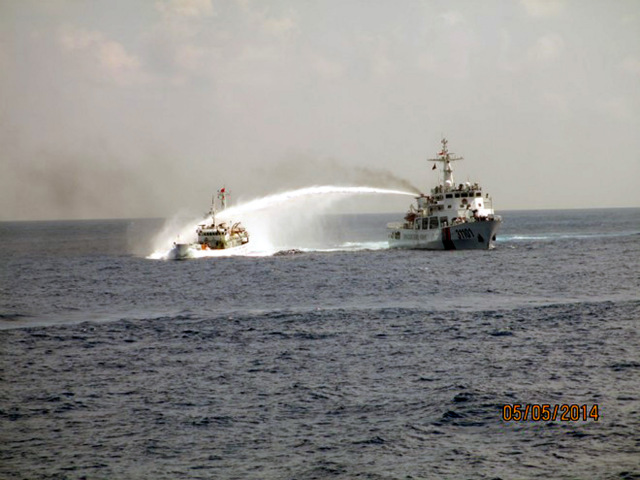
213, 235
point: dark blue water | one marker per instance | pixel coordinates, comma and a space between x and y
346, 364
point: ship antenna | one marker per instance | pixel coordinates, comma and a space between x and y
222, 195
212, 212
446, 157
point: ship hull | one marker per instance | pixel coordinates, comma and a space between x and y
180, 251
463, 236
184, 251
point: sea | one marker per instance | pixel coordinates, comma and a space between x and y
334, 359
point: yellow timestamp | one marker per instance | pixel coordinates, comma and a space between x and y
545, 412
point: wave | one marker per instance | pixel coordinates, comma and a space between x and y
523, 237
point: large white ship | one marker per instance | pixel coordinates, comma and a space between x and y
452, 217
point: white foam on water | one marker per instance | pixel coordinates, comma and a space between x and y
557, 236
350, 247
282, 221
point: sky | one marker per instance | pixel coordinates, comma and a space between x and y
143, 108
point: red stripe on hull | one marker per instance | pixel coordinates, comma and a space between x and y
446, 239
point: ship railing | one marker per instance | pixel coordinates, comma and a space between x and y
395, 225
488, 203
483, 218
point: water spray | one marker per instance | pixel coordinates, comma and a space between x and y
278, 221
277, 199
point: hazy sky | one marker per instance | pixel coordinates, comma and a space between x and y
124, 108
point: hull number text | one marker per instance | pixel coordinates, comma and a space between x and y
464, 234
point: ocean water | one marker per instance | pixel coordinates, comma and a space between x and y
335, 359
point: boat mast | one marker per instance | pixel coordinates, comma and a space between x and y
446, 157
212, 211
222, 195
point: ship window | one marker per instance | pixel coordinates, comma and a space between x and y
449, 195
433, 222
457, 195
425, 223
444, 222
478, 194
464, 195
448, 206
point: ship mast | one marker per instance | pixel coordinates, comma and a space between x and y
446, 157
222, 195
212, 210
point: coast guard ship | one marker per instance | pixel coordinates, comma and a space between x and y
453, 217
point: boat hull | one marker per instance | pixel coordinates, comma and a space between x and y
463, 236
180, 251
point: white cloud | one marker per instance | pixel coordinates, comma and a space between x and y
451, 19
181, 20
381, 63
631, 65
254, 69
191, 57
186, 8
280, 27
505, 60
451, 55
326, 68
547, 48
259, 54
543, 8
376, 50
559, 102
616, 107
79, 39
106, 57
114, 57
428, 62
629, 19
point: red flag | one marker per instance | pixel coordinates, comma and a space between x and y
434, 167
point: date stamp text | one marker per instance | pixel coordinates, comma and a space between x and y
544, 412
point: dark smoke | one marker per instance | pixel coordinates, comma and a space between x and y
63, 185
303, 170
381, 178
